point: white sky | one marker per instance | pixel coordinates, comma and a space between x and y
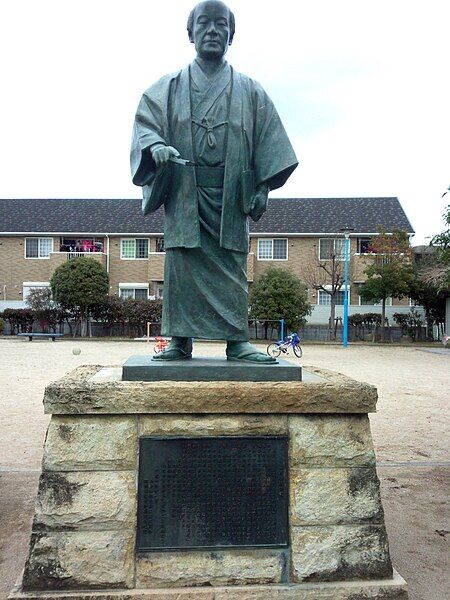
361, 85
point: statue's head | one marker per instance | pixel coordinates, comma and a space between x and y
211, 28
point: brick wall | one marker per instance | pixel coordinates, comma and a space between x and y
15, 268
124, 271
302, 253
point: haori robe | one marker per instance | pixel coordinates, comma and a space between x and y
225, 121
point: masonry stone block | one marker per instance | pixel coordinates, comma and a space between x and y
331, 441
80, 560
86, 500
199, 425
335, 496
184, 569
91, 443
340, 553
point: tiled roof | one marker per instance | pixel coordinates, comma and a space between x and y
284, 215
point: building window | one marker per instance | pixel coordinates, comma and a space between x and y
134, 248
133, 291
329, 247
28, 286
324, 299
160, 244
363, 245
38, 247
272, 249
370, 303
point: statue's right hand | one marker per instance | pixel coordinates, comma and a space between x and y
162, 154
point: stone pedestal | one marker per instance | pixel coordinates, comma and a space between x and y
84, 530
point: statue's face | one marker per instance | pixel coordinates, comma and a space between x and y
211, 31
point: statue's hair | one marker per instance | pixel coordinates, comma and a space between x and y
190, 22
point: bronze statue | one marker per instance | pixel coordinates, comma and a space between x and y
208, 144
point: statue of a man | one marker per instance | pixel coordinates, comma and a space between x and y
235, 150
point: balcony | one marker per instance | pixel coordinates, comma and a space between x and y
58, 258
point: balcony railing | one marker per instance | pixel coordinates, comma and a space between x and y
58, 258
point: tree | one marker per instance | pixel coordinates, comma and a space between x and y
19, 319
110, 312
410, 323
279, 294
39, 300
391, 273
328, 276
438, 272
78, 285
139, 312
432, 276
426, 293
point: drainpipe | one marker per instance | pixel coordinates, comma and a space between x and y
4, 292
107, 252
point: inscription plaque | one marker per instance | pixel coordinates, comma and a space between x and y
214, 492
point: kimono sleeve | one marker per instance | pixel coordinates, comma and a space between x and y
150, 127
273, 156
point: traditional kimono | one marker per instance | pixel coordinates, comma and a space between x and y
222, 124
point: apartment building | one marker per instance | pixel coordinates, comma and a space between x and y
37, 235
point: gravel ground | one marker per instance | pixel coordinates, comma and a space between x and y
410, 433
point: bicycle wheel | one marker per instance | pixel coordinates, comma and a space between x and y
297, 351
273, 350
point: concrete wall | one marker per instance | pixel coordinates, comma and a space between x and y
321, 314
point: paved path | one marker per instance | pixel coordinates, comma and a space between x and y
410, 433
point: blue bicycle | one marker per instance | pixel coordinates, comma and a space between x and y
291, 341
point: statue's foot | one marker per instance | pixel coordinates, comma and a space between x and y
179, 348
245, 352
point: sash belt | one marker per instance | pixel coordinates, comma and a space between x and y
209, 176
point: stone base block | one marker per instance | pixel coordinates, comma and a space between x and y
84, 530
384, 589
143, 368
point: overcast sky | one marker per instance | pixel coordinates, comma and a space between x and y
362, 87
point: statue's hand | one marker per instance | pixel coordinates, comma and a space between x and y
162, 154
259, 202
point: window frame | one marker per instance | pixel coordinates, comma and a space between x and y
38, 257
320, 292
359, 239
135, 240
159, 240
133, 287
388, 302
33, 285
339, 257
271, 240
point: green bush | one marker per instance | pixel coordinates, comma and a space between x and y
279, 294
410, 323
20, 319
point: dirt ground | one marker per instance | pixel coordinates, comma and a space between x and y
410, 433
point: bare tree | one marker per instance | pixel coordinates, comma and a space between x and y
326, 273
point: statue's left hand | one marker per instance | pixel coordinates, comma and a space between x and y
259, 202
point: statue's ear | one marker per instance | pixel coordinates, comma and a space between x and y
190, 36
